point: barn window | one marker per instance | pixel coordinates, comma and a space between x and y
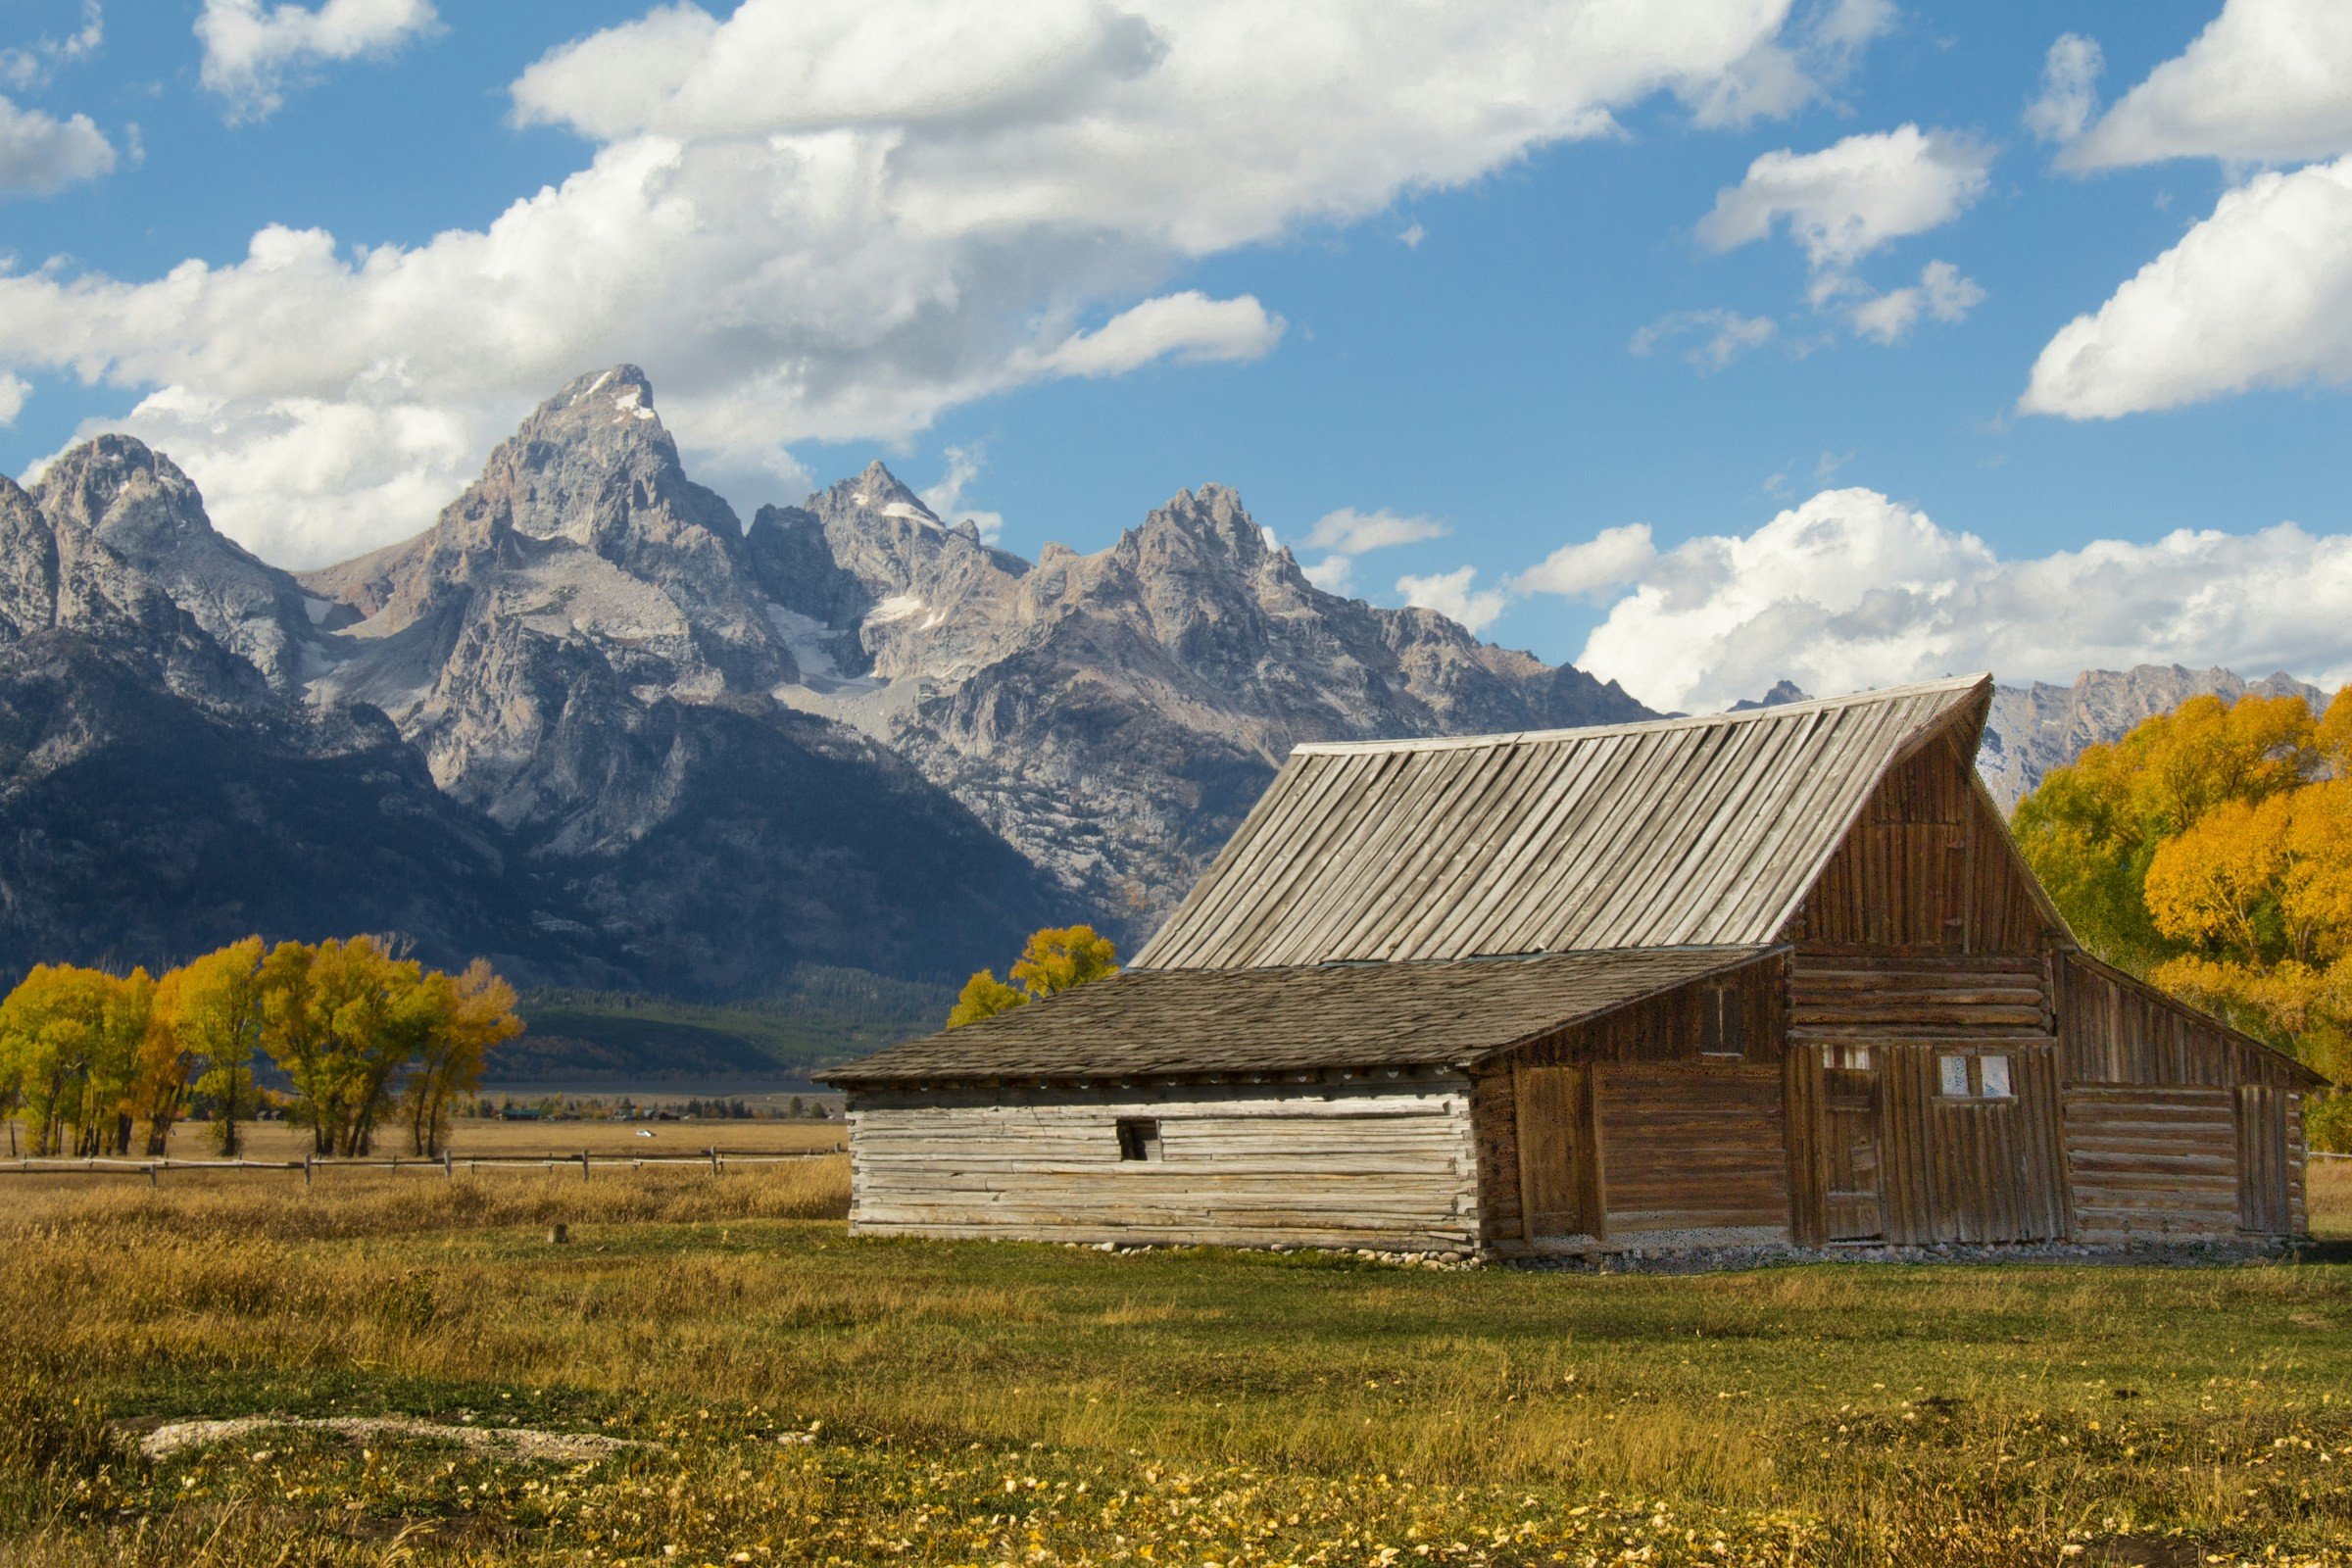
1138, 1138
1719, 1024
1973, 1077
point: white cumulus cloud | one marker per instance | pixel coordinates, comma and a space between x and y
2070, 89
2264, 83
1188, 326
1352, 532
1590, 568
1852, 197
253, 51
1852, 590
2259, 294
40, 153
831, 220
1348, 533
14, 390
1451, 595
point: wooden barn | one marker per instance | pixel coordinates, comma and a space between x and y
1776, 976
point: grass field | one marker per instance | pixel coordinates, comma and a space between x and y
809, 1399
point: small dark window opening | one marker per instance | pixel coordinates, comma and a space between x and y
1719, 1033
1138, 1138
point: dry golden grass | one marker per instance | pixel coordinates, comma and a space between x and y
987, 1404
2329, 1191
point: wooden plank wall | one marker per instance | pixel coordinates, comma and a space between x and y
1385, 1163
1928, 865
1693, 1151
2119, 1032
1740, 1013
1972, 1169
2151, 1160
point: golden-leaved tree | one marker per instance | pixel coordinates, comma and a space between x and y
2210, 849
353, 1025
1055, 960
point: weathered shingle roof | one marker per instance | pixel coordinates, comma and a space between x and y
1684, 832
1179, 1022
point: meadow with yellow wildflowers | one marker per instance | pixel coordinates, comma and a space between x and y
797, 1396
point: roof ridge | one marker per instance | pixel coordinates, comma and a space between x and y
1955, 684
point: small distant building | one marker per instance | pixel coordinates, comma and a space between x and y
1775, 976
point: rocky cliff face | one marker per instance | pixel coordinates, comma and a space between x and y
159, 797
1116, 714
583, 649
2035, 728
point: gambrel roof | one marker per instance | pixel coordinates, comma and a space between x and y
1689, 832
1185, 1022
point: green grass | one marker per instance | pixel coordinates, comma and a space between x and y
820, 1015
1004, 1402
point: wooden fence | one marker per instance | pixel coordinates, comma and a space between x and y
716, 1161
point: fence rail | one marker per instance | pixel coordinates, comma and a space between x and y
716, 1161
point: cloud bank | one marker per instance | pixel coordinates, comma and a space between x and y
1851, 590
827, 220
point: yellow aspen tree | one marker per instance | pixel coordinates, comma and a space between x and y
1059, 958
214, 1005
984, 995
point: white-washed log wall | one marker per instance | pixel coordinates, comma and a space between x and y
1386, 1163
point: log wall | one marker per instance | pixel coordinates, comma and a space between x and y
1693, 1153
1385, 1163
2152, 1161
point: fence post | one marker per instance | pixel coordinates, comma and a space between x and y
151, 1177
715, 1160
449, 1169
306, 1171
583, 1165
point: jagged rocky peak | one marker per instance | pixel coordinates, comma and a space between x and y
1211, 515
878, 492
594, 465
117, 492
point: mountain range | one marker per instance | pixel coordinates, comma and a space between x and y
592, 726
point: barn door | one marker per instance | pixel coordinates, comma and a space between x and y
2262, 1204
1554, 1153
1849, 1136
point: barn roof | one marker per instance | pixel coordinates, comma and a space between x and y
1680, 833
1185, 1022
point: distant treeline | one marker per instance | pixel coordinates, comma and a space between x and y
357, 1030
819, 1014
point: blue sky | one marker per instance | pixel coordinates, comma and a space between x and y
1454, 283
